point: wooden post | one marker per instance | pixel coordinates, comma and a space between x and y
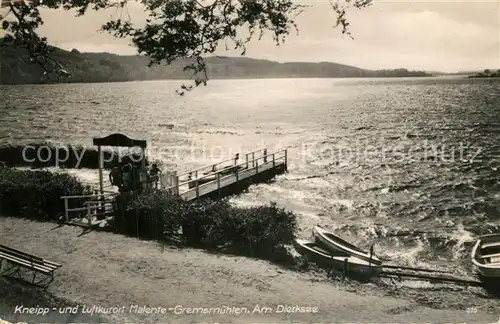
66, 207
176, 182
97, 198
101, 166
137, 224
218, 183
246, 158
164, 183
236, 158
346, 268
253, 159
236, 173
265, 155
161, 179
256, 167
89, 216
197, 189
286, 160
273, 161
143, 172
371, 256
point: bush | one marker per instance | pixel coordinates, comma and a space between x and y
48, 154
37, 194
200, 222
262, 231
153, 214
258, 232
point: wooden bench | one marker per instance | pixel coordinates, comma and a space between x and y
488, 245
231, 169
18, 259
206, 179
490, 256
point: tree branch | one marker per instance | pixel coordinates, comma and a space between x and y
177, 29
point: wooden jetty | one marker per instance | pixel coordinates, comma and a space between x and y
227, 177
213, 181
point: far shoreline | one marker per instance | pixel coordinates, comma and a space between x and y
232, 79
483, 77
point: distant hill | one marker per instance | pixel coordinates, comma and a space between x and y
105, 67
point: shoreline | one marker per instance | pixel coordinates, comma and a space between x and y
227, 79
111, 270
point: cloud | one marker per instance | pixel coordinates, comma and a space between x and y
388, 39
428, 39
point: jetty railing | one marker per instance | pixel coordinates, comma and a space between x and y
95, 201
251, 162
96, 208
210, 169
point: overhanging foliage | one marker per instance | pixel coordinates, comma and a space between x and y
174, 29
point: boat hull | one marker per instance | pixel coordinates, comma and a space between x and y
488, 273
338, 246
354, 266
485, 257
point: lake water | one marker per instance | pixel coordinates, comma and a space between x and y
410, 164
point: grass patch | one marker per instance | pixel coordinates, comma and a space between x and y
262, 232
43, 155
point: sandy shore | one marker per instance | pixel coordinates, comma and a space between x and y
108, 270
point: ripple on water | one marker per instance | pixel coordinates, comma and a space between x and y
369, 158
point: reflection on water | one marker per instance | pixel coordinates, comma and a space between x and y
409, 163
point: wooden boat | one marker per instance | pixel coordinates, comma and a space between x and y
338, 246
486, 256
322, 257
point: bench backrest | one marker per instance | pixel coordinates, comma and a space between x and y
21, 255
230, 169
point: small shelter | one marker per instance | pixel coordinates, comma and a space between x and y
116, 140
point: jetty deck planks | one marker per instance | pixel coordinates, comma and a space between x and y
231, 179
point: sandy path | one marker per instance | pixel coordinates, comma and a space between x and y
111, 270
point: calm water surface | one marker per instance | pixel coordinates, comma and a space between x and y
411, 164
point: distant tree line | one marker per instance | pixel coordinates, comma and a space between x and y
487, 74
106, 67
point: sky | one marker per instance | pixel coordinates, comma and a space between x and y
446, 36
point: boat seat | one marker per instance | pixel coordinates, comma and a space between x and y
492, 244
496, 255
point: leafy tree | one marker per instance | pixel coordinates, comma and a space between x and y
175, 29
